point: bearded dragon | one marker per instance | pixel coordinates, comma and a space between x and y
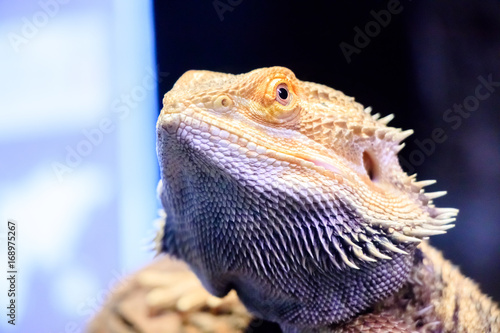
291, 193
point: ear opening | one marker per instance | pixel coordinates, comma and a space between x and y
370, 165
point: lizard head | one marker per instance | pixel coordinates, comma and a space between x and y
291, 193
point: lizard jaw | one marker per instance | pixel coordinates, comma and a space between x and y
186, 124
175, 123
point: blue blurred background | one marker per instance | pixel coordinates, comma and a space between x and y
78, 168
81, 84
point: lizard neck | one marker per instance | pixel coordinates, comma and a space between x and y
271, 249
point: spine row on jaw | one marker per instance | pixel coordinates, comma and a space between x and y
378, 237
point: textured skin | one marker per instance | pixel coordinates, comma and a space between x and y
435, 298
167, 298
300, 205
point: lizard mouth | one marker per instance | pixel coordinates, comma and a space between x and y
221, 132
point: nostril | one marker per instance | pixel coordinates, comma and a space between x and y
369, 165
172, 107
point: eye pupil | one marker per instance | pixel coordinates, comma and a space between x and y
283, 93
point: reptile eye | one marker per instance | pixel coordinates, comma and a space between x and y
283, 96
280, 102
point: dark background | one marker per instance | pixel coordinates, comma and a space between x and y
425, 60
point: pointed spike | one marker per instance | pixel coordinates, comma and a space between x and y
332, 259
383, 223
389, 136
386, 119
421, 232
449, 212
376, 116
447, 209
329, 231
408, 181
404, 238
262, 265
399, 147
308, 249
358, 252
363, 238
368, 110
445, 216
388, 245
442, 221
371, 231
435, 195
437, 227
424, 183
348, 262
342, 254
402, 135
327, 250
348, 240
375, 252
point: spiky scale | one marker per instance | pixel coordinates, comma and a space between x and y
435, 195
425, 183
385, 120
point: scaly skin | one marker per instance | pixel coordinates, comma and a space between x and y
291, 193
166, 298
